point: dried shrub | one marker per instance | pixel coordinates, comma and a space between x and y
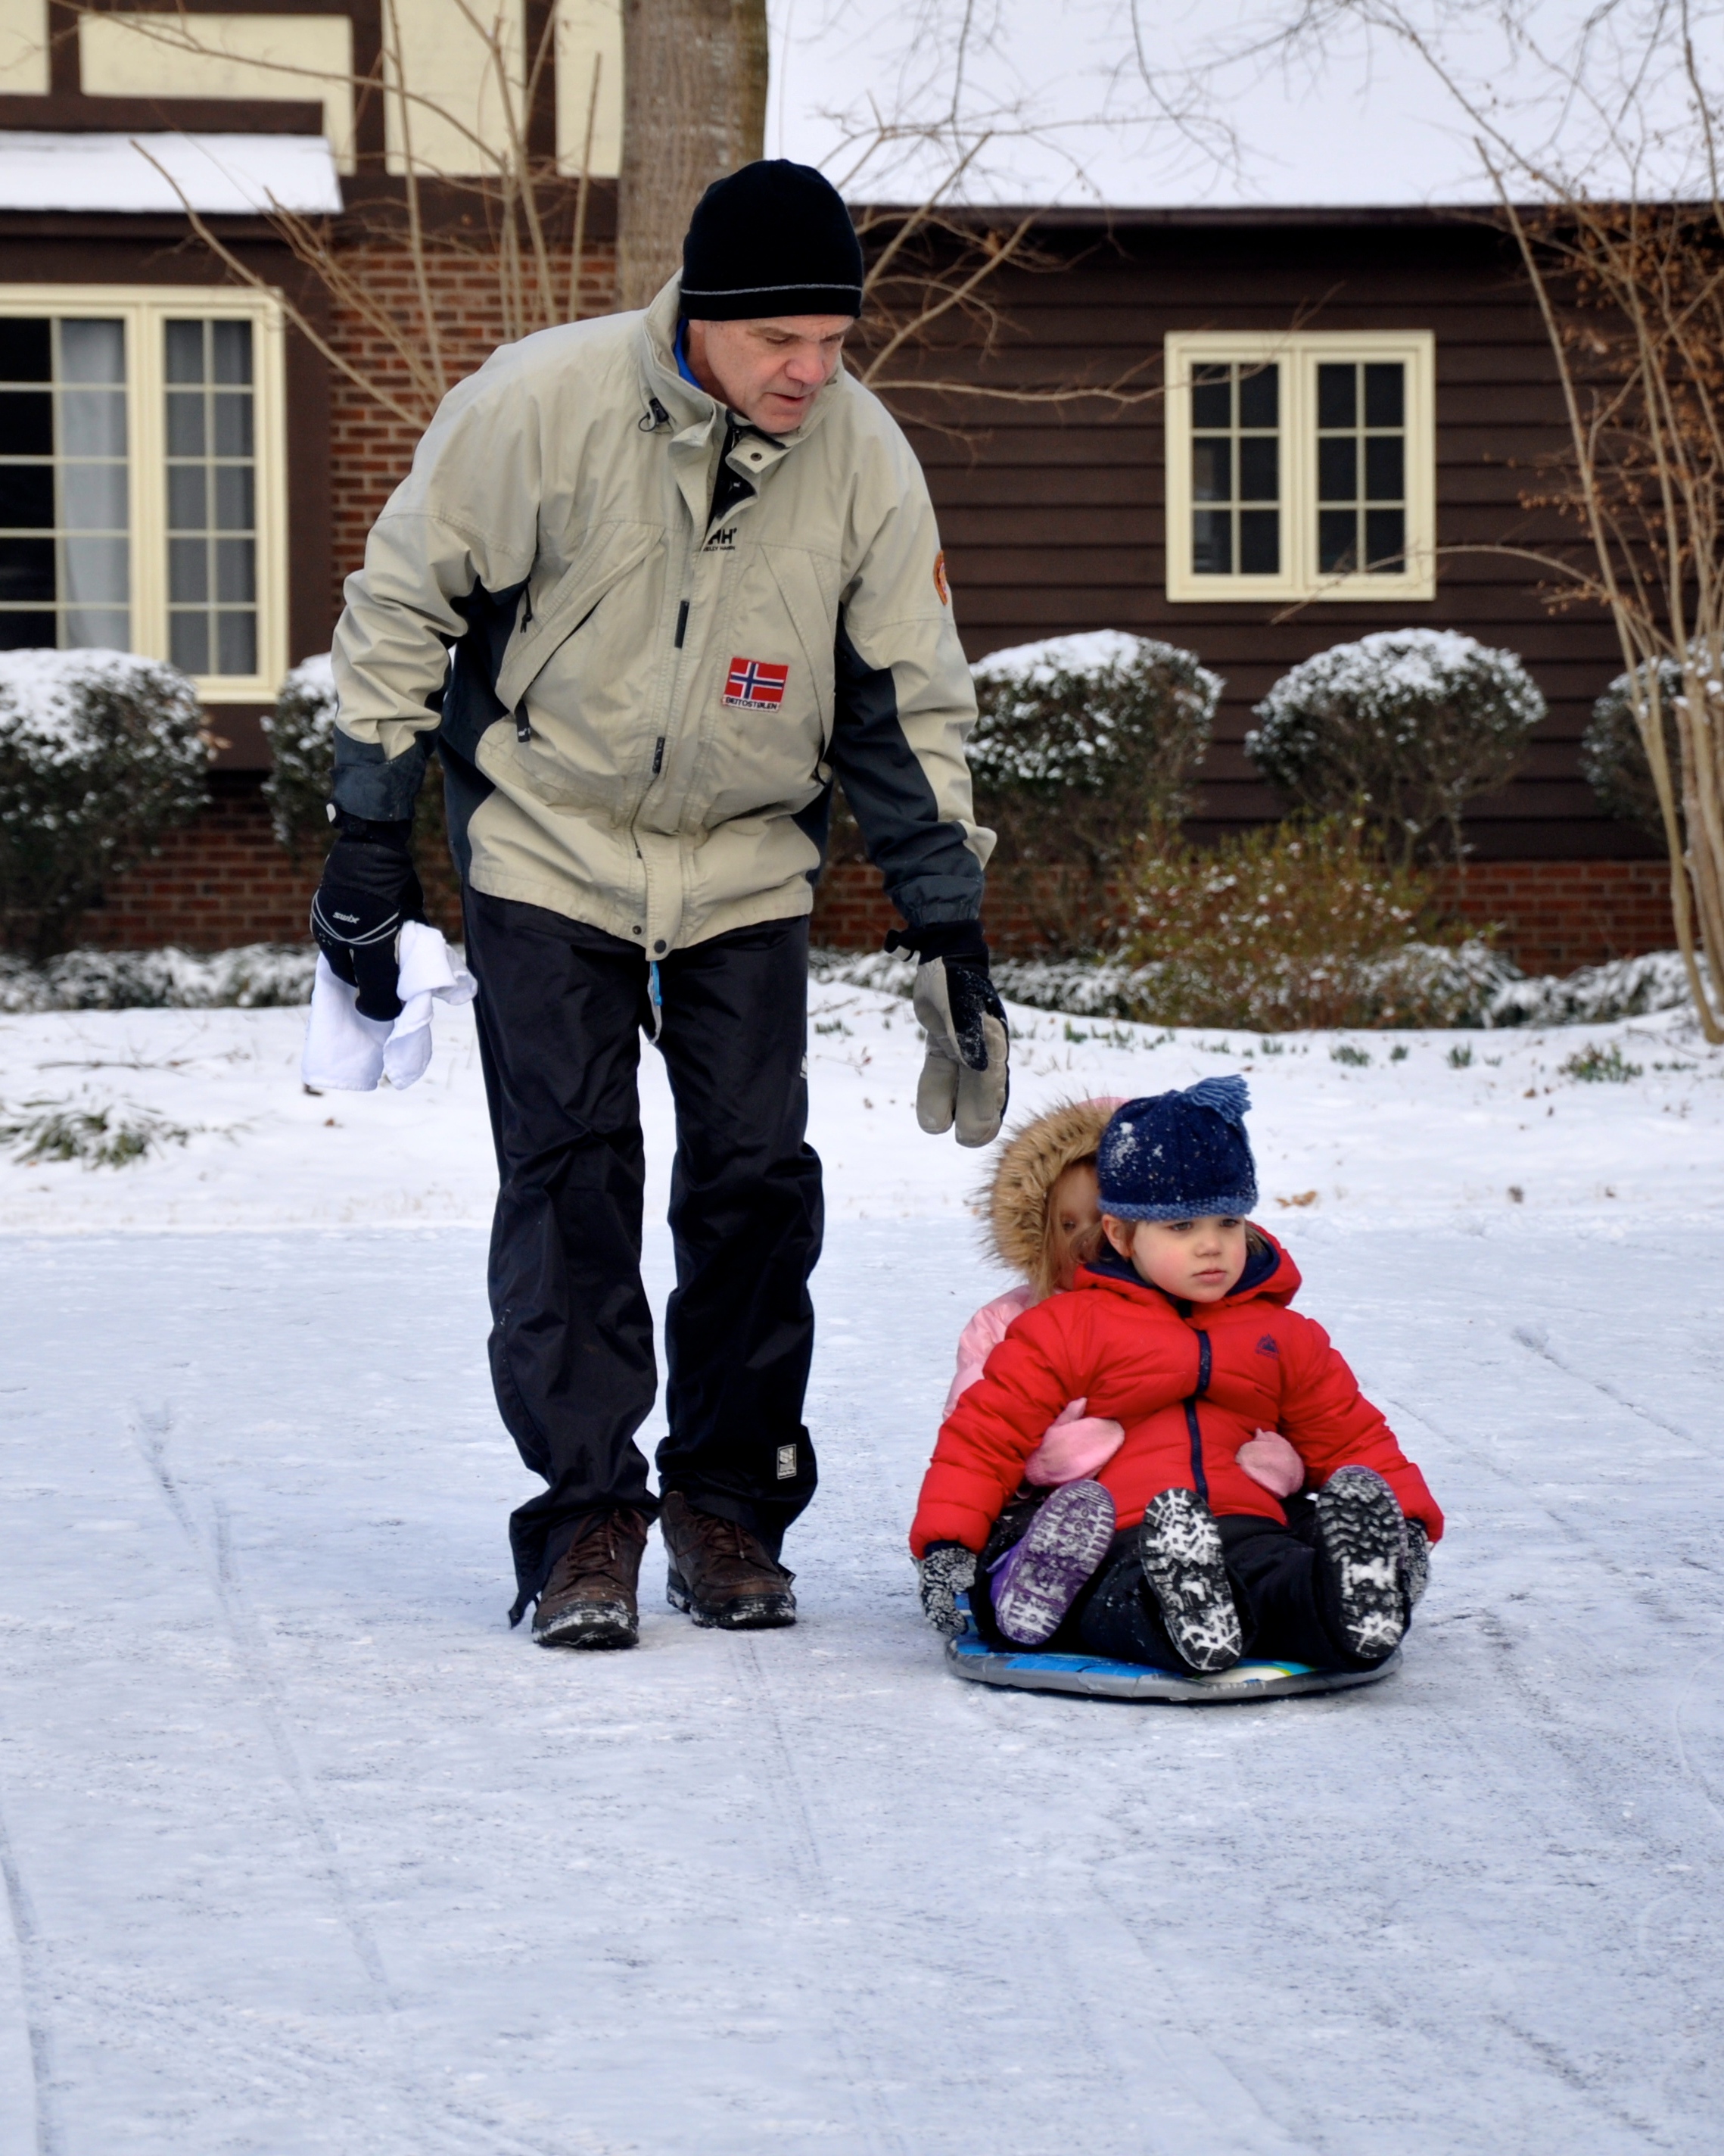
100, 753
1294, 925
1407, 725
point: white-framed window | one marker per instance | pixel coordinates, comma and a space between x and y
143, 479
1301, 466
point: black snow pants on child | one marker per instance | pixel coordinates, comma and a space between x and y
1277, 1586
561, 1009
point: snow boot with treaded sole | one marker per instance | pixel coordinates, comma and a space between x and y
589, 1599
1037, 1579
722, 1574
1361, 1555
1179, 1547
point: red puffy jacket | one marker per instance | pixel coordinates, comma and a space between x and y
1190, 1382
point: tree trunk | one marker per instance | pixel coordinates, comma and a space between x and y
693, 108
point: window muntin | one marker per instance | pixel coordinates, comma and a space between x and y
1324, 441
1236, 469
142, 478
65, 525
212, 498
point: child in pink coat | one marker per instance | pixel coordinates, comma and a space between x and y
1043, 1220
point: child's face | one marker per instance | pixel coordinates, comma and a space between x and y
1074, 1206
1197, 1260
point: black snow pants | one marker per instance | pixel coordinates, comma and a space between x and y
560, 1011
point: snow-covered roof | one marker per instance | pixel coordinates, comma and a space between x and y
220, 174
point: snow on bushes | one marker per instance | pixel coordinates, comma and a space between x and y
1612, 756
301, 734
1082, 744
1407, 725
100, 752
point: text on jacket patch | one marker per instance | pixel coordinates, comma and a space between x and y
756, 684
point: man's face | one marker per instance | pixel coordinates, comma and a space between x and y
770, 372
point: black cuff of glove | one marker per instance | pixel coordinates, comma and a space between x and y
397, 834
941, 939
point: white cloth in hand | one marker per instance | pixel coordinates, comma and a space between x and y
347, 1053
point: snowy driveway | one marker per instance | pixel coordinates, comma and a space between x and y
305, 1851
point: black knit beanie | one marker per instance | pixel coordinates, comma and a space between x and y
774, 238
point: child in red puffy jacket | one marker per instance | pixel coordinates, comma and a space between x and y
1179, 1330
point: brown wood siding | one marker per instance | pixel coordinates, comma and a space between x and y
1053, 522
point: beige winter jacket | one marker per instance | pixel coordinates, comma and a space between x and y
645, 710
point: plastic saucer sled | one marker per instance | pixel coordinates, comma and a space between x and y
1094, 1678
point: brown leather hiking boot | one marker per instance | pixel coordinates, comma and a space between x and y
588, 1601
720, 1572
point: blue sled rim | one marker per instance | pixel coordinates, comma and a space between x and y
1094, 1678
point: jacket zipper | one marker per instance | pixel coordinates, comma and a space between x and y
1200, 1480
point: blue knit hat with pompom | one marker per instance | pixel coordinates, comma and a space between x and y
1179, 1156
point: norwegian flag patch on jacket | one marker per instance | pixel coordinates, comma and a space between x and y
756, 684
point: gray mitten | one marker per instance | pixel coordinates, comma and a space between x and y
945, 1571
1416, 1571
965, 1076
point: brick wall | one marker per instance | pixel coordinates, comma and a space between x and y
370, 449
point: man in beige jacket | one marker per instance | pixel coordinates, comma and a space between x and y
654, 582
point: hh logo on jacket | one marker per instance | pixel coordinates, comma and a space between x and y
756, 684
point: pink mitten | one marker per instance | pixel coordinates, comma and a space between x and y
1269, 1460
1074, 1447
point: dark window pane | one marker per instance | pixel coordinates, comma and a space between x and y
26, 422
92, 497
1337, 468
237, 642
92, 423
27, 569
24, 353
1337, 398
1259, 396
184, 422
1260, 468
1211, 542
187, 510
93, 628
1259, 542
1212, 468
233, 357
27, 632
1385, 402
188, 570
92, 351
26, 496
185, 352
1337, 540
1212, 397
233, 497
1385, 468
188, 642
97, 571
232, 424
234, 575
1385, 541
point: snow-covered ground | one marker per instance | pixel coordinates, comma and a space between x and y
303, 1850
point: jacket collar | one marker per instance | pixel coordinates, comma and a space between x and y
1270, 1274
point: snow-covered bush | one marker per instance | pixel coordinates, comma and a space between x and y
301, 733
100, 752
1082, 745
1407, 725
1612, 756
249, 976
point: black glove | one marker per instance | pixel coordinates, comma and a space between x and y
369, 888
965, 1076
945, 1571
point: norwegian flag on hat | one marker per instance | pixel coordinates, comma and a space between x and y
755, 684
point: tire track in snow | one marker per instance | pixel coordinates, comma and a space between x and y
1537, 1342
33, 1987
149, 1431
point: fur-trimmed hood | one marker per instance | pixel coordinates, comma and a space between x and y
1032, 1160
